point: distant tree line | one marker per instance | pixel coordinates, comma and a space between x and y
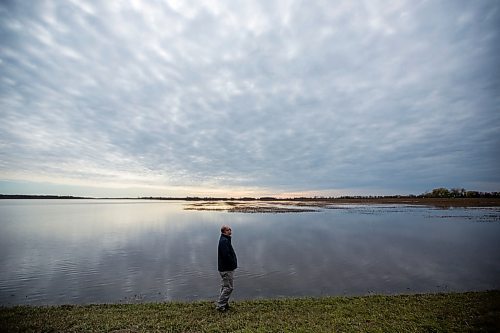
442, 192
435, 193
34, 196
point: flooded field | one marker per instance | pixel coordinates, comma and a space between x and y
95, 251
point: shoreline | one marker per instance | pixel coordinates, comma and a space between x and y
467, 311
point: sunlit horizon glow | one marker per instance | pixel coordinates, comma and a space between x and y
253, 98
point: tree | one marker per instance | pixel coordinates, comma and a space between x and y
457, 192
440, 193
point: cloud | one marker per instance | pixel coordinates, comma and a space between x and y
283, 96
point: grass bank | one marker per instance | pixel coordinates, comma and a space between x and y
452, 312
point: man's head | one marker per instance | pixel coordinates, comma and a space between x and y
226, 230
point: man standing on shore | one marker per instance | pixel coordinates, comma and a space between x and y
226, 263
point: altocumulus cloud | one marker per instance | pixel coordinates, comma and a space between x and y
263, 97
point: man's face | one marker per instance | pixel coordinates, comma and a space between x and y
228, 231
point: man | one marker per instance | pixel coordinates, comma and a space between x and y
226, 263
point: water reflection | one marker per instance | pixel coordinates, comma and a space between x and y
81, 251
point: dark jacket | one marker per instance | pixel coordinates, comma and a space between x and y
226, 257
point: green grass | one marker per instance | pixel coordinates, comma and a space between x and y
452, 312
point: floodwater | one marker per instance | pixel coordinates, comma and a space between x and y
111, 251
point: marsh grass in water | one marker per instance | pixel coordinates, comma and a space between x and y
315, 205
453, 312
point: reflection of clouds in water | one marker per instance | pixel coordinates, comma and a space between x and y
109, 260
170, 254
360, 254
155, 266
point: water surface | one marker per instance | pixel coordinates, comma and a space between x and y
95, 251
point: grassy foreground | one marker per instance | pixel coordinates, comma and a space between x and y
453, 312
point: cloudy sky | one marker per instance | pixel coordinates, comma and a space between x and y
132, 98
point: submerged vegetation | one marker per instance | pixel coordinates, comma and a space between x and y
452, 312
246, 207
315, 205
